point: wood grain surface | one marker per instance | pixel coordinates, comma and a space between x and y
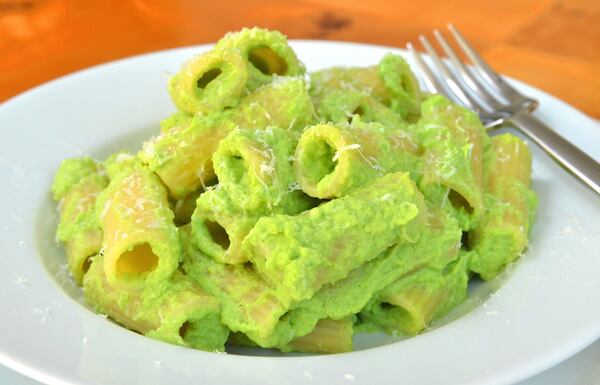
554, 45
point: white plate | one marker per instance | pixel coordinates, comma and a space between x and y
546, 310
581, 369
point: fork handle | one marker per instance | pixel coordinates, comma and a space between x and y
564, 152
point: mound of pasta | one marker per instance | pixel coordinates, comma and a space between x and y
284, 209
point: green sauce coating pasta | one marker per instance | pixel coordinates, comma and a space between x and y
341, 106
219, 226
408, 305
175, 311
209, 82
253, 307
501, 235
348, 296
255, 168
182, 155
266, 53
342, 91
255, 179
250, 305
331, 160
175, 120
70, 172
402, 85
279, 211
365, 81
328, 336
300, 254
283, 103
79, 227
140, 243
454, 140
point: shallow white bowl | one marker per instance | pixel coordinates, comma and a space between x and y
542, 311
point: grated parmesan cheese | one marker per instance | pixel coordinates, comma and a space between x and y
338, 152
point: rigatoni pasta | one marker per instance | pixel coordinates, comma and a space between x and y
79, 227
182, 154
194, 89
267, 54
454, 141
332, 159
299, 254
502, 234
285, 211
176, 311
409, 304
140, 245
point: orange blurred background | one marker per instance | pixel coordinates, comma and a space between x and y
554, 45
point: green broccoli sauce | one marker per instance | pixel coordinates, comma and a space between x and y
287, 210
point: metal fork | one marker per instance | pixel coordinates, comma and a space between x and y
496, 102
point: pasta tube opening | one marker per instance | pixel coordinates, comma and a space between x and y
85, 265
219, 228
328, 336
459, 201
266, 53
332, 159
357, 111
235, 168
185, 328
208, 77
184, 208
218, 234
209, 82
140, 259
321, 157
413, 309
267, 61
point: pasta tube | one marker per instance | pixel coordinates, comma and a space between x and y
254, 167
79, 227
390, 83
296, 256
453, 139
253, 307
256, 179
267, 54
342, 106
348, 296
250, 305
501, 235
183, 209
402, 85
364, 80
328, 336
283, 103
175, 120
219, 227
176, 311
209, 82
331, 160
409, 304
140, 243
182, 155
71, 172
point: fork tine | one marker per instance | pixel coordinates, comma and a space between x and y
432, 84
490, 76
471, 83
453, 89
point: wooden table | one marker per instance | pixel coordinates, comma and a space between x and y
554, 45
